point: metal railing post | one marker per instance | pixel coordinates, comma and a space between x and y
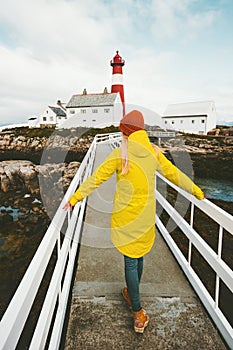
191, 225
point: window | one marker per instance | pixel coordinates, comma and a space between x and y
72, 111
51, 119
84, 120
106, 110
94, 120
181, 121
165, 122
83, 111
173, 122
193, 121
95, 110
44, 119
203, 121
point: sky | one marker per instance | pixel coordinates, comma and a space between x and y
174, 51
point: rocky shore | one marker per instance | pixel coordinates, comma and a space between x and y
58, 146
24, 175
24, 143
26, 210
211, 156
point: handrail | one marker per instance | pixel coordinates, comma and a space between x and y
222, 270
209, 208
14, 319
160, 133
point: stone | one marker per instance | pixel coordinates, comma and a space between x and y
5, 183
5, 218
24, 174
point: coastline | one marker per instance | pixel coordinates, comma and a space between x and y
12, 126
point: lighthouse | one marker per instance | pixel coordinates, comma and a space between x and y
117, 77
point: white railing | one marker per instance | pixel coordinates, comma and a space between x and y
161, 134
222, 271
14, 319
55, 303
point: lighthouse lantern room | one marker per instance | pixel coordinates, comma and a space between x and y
117, 77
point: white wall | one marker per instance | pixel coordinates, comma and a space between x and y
33, 123
199, 124
97, 117
212, 117
91, 116
60, 121
196, 125
193, 117
50, 117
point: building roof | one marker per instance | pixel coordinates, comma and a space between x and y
58, 111
92, 100
189, 109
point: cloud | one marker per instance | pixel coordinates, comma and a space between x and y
51, 49
56, 49
55, 28
37, 83
180, 19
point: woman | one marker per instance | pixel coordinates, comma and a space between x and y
133, 214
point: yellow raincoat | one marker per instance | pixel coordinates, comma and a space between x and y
133, 215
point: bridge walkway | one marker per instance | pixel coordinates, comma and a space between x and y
99, 317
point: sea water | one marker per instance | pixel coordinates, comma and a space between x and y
14, 212
216, 189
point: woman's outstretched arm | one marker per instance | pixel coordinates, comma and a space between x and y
176, 176
102, 173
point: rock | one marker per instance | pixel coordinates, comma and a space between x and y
27, 170
5, 183
25, 144
35, 209
5, 218
229, 141
33, 219
34, 143
15, 175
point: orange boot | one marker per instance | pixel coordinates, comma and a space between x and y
126, 297
141, 320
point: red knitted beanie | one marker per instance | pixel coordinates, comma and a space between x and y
131, 122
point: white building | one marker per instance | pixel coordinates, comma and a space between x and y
32, 122
192, 117
53, 116
94, 110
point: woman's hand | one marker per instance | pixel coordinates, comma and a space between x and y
200, 195
67, 206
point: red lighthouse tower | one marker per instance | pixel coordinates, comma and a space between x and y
117, 77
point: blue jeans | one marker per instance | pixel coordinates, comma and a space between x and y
133, 273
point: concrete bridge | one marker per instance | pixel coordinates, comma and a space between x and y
99, 317
183, 315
